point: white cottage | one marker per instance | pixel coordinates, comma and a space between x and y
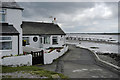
36, 34
43, 35
10, 26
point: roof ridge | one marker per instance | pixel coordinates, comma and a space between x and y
37, 22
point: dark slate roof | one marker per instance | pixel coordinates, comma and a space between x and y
40, 28
7, 29
10, 5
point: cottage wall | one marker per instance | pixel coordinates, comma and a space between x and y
14, 17
14, 50
32, 43
61, 41
37, 44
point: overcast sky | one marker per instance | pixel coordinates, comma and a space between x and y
75, 16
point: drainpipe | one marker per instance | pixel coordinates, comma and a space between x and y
18, 45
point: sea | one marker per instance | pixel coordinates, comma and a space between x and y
99, 47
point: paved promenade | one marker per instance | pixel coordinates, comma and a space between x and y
79, 63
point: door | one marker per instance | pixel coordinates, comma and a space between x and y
37, 57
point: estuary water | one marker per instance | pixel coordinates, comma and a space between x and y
97, 46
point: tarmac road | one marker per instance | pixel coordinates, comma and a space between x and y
79, 63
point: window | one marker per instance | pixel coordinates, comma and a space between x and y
54, 40
5, 43
2, 15
26, 39
46, 40
41, 40
35, 39
5, 38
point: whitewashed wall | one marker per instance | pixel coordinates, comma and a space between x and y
14, 17
49, 57
14, 50
61, 41
32, 43
17, 60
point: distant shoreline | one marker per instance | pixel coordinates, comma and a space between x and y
97, 33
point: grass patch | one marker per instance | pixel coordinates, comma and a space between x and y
29, 79
47, 73
7, 76
32, 70
22, 68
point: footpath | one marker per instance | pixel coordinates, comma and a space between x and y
79, 63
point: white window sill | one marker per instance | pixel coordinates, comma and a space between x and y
5, 40
54, 44
46, 44
3, 22
5, 50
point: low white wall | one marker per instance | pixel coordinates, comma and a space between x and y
29, 49
49, 57
17, 60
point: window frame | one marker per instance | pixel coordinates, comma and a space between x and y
55, 37
46, 39
10, 40
35, 37
27, 43
3, 14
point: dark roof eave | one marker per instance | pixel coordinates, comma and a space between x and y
44, 34
12, 8
9, 33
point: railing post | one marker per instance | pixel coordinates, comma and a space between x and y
42, 52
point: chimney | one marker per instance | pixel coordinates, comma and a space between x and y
54, 21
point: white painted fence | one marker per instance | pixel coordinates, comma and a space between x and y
27, 59
49, 57
17, 60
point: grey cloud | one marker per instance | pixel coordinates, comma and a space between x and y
74, 16
53, 8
